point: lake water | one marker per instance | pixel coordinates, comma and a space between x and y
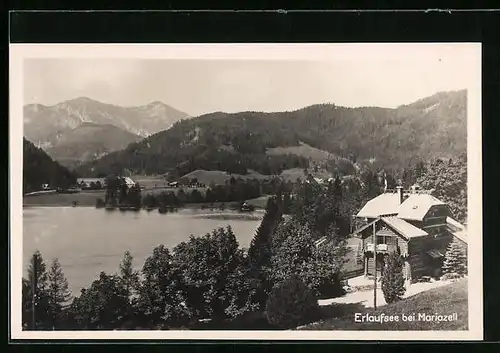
88, 240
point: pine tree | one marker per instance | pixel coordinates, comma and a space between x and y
128, 275
393, 283
260, 250
37, 309
129, 279
328, 208
449, 184
455, 261
58, 293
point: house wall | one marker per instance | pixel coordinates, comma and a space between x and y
393, 240
418, 262
436, 216
370, 263
422, 264
403, 246
416, 248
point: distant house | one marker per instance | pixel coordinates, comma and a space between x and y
129, 182
246, 207
417, 225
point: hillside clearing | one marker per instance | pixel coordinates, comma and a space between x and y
218, 177
304, 150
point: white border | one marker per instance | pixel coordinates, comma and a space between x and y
304, 52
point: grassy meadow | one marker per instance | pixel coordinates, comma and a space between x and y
445, 300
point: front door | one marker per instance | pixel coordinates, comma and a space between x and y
370, 265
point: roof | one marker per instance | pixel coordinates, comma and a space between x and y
384, 204
129, 181
404, 228
416, 206
457, 229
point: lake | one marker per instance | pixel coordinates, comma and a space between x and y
87, 240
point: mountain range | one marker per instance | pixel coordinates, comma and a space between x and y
82, 129
88, 142
269, 143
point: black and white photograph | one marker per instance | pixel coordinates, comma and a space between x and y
246, 191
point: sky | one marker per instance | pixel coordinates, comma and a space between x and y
385, 77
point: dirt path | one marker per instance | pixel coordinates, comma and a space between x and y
365, 296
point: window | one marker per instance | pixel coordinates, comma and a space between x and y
435, 231
383, 239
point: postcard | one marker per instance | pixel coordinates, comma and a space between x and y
246, 191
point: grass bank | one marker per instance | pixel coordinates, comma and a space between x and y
84, 198
89, 197
446, 300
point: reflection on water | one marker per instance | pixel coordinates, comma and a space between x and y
87, 240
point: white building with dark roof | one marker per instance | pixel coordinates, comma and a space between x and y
417, 225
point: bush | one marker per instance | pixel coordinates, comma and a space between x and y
451, 276
393, 283
290, 303
455, 260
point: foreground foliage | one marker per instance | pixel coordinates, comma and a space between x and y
290, 303
455, 260
393, 283
301, 240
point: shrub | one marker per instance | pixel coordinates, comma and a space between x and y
450, 276
290, 303
317, 267
455, 261
393, 283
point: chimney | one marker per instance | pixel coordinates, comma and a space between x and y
399, 189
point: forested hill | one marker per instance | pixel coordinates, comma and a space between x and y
39, 168
432, 127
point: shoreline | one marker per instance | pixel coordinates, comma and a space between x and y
88, 199
186, 207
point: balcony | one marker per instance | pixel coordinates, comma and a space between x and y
383, 248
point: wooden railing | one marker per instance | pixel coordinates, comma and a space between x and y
383, 248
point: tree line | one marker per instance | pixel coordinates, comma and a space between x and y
446, 179
235, 189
